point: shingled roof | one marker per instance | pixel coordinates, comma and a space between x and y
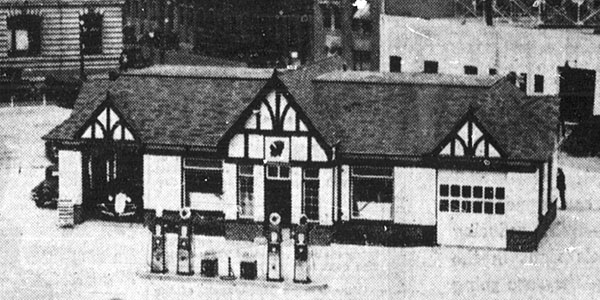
410, 114
190, 106
362, 112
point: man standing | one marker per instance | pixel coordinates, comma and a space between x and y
561, 186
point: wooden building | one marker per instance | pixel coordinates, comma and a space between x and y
46, 36
393, 159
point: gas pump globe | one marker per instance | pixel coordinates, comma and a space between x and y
274, 249
301, 263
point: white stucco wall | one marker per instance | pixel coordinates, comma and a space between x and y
296, 187
326, 196
70, 177
503, 47
230, 187
162, 182
259, 193
414, 196
345, 178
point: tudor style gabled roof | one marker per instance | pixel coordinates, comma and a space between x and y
193, 108
361, 112
411, 114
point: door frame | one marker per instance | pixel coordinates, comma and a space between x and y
283, 175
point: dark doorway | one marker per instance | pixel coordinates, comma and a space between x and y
576, 93
278, 198
108, 172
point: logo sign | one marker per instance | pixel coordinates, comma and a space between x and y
277, 149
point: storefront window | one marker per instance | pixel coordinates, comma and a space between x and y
202, 177
246, 191
372, 192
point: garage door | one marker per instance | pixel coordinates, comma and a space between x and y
471, 215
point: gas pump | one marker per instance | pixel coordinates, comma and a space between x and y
301, 272
185, 244
159, 238
274, 248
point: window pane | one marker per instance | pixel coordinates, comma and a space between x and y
477, 207
311, 173
372, 190
21, 39
246, 170
466, 191
203, 181
371, 171
455, 205
489, 193
500, 193
443, 205
477, 192
455, 191
466, 206
444, 190
272, 171
489, 207
311, 199
284, 171
246, 196
500, 208
203, 163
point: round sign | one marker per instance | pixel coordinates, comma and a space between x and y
185, 213
275, 219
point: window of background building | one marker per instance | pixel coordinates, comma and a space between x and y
430, 67
470, 70
24, 35
538, 83
523, 82
372, 192
395, 64
361, 16
202, 176
493, 71
332, 16
361, 59
91, 32
246, 191
310, 205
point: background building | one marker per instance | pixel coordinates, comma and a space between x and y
349, 28
261, 33
544, 51
40, 36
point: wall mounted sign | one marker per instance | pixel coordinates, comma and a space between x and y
277, 149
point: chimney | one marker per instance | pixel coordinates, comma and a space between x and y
488, 12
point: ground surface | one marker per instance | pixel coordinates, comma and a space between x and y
100, 260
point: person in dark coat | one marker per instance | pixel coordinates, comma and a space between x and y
561, 186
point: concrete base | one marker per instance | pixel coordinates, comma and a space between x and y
260, 282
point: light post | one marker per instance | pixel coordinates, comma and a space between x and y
82, 75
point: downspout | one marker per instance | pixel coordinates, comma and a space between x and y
334, 158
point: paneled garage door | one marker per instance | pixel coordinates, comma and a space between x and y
471, 215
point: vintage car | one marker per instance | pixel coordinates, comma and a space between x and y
45, 194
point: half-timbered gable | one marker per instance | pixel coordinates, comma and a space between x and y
274, 128
107, 123
470, 139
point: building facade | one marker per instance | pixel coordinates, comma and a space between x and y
262, 33
46, 36
348, 28
543, 50
364, 155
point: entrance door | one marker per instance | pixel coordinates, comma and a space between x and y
278, 194
576, 93
110, 172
